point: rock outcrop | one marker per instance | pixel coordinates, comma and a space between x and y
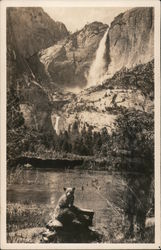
131, 39
35, 112
33, 29
68, 62
70, 229
28, 31
39, 235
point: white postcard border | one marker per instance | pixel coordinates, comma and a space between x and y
70, 3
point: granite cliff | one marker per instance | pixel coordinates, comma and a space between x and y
131, 39
33, 29
41, 67
129, 42
68, 61
99, 106
28, 31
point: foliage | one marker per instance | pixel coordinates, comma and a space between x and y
85, 142
27, 215
131, 138
134, 136
15, 124
140, 77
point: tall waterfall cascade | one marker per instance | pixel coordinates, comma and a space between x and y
56, 127
97, 70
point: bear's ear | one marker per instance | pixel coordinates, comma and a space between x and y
64, 189
73, 189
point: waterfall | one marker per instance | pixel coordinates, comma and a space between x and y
97, 70
56, 127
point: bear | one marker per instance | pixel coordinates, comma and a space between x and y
64, 211
67, 216
67, 199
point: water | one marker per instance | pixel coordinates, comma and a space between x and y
57, 124
97, 190
98, 68
46, 186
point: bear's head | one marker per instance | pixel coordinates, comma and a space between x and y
69, 191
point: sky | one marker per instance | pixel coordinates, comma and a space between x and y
75, 18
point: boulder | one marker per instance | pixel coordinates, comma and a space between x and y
71, 230
54, 225
86, 235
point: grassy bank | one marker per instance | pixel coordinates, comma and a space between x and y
20, 216
26, 222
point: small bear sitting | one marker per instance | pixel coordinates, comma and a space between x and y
67, 199
64, 209
69, 215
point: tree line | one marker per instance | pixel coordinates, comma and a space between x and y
133, 136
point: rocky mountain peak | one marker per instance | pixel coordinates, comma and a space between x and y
33, 29
129, 43
90, 32
95, 27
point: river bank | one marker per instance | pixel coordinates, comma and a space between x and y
26, 224
121, 162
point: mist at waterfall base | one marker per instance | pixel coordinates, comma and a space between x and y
97, 71
56, 127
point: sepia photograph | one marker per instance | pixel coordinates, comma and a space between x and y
80, 143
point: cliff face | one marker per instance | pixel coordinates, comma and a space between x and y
36, 44
68, 62
34, 29
131, 39
28, 31
99, 106
130, 42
